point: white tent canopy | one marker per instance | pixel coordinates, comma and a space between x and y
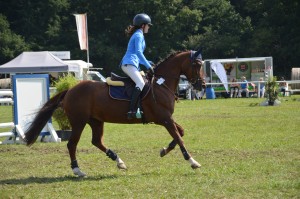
37, 62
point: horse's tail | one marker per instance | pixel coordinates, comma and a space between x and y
42, 117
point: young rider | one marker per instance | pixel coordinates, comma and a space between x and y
134, 56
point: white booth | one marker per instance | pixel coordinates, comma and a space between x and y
251, 68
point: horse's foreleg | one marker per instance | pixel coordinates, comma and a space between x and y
171, 126
112, 155
164, 151
97, 140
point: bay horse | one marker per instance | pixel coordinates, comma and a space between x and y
89, 103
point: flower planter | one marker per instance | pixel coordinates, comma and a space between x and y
272, 91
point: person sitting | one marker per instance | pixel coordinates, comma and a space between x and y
283, 86
234, 88
244, 87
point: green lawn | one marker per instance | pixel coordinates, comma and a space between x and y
246, 151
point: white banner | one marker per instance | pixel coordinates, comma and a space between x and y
220, 71
81, 23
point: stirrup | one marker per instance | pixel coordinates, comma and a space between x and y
131, 115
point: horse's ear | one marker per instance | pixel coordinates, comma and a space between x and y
197, 53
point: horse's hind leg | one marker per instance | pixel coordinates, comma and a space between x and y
171, 126
164, 151
97, 140
77, 128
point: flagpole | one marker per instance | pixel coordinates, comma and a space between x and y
87, 42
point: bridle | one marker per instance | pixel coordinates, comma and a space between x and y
196, 60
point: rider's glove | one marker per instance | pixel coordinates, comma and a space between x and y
151, 70
151, 63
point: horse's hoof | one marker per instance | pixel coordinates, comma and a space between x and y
78, 173
163, 152
195, 165
121, 166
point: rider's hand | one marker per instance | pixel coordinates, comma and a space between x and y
151, 70
151, 63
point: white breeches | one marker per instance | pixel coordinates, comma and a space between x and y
135, 75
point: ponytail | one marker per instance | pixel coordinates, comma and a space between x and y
130, 30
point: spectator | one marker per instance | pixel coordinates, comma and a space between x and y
244, 87
201, 93
193, 93
283, 86
262, 87
234, 88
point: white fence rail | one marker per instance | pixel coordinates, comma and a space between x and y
257, 83
6, 99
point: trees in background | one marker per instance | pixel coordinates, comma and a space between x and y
10, 42
224, 29
276, 28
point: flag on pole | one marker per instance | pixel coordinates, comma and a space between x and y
81, 23
220, 71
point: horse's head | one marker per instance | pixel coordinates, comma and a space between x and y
193, 70
188, 63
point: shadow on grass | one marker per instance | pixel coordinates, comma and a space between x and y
49, 180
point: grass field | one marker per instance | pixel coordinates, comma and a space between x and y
246, 151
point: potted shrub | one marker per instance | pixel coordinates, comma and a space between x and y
272, 90
63, 83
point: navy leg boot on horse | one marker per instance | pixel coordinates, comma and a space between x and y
135, 97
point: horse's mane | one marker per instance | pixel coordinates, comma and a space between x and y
172, 54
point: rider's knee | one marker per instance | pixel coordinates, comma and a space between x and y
140, 85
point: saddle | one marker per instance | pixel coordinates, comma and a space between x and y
121, 88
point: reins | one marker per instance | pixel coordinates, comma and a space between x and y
172, 92
152, 88
168, 77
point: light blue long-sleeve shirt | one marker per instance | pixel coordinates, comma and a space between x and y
135, 51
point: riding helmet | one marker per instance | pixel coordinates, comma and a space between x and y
141, 19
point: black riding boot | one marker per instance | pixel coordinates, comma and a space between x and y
132, 109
